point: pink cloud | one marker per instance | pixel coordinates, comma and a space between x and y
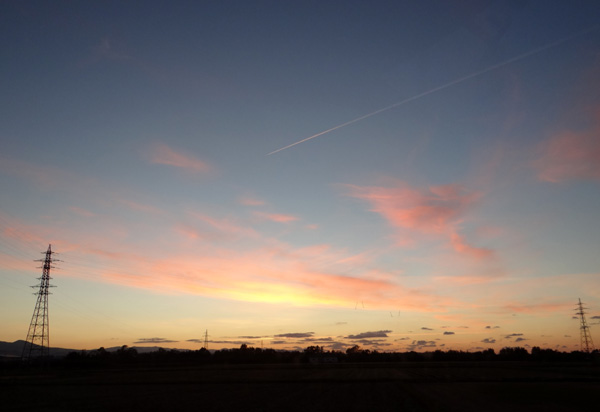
188, 232
435, 211
26, 238
276, 217
81, 212
22, 233
357, 259
139, 207
162, 154
263, 270
275, 276
538, 308
459, 244
251, 201
569, 156
465, 280
209, 227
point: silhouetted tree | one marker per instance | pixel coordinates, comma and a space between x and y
516, 353
314, 350
354, 350
126, 354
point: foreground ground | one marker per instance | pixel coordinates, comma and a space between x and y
497, 386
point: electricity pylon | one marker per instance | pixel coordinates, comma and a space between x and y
586, 345
38, 336
206, 339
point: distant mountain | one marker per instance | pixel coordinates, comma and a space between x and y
143, 349
14, 349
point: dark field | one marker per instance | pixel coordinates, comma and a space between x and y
494, 386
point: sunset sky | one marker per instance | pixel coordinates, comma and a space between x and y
456, 206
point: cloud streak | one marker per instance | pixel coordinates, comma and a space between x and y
164, 155
435, 211
270, 276
444, 86
295, 335
154, 340
276, 217
243, 266
369, 335
570, 156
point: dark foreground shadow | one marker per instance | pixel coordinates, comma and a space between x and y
348, 387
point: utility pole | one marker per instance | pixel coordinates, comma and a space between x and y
38, 336
587, 344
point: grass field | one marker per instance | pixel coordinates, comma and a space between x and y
497, 386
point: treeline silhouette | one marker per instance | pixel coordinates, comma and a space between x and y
313, 354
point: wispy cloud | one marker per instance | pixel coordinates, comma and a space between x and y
140, 207
276, 217
369, 335
270, 275
222, 342
251, 201
20, 232
234, 261
539, 307
461, 246
163, 154
433, 210
81, 212
420, 344
295, 335
570, 155
436, 211
154, 340
199, 225
325, 340
377, 343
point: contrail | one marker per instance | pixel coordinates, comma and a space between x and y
445, 86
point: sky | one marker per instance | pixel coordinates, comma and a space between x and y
394, 175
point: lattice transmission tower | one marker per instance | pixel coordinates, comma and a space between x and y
37, 344
587, 344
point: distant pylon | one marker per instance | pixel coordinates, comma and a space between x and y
38, 337
587, 344
206, 339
